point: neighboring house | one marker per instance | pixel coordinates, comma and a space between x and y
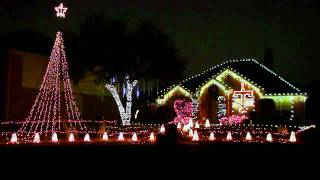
239, 87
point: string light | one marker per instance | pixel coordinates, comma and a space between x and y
185, 128
86, 138
222, 108
46, 109
54, 138
125, 113
105, 136
183, 109
61, 10
243, 100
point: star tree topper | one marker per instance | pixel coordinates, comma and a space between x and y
61, 10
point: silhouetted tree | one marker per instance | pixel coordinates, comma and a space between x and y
106, 48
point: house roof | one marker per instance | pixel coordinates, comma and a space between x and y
249, 69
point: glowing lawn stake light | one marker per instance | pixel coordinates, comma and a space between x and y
152, 138
207, 124
197, 125
105, 136
179, 125
185, 128
71, 137
36, 138
229, 136
248, 136
162, 129
121, 138
54, 137
195, 136
14, 138
191, 133
293, 137
211, 137
86, 138
134, 137
269, 137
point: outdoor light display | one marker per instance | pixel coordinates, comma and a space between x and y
293, 137
105, 136
234, 119
191, 133
54, 138
61, 10
229, 136
195, 136
14, 138
211, 137
86, 138
152, 137
183, 109
248, 136
243, 100
54, 95
71, 137
269, 137
222, 108
134, 137
207, 124
125, 112
120, 137
162, 129
36, 138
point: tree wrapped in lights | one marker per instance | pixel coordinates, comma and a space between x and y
183, 109
125, 113
45, 114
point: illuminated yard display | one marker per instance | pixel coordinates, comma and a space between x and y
183, 110
61, 10
243, 100
234, 103
54, 98
125, 112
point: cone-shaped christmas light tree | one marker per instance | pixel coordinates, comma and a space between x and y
54, 95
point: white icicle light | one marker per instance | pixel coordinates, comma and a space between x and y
54, 137
86, 138
121, 138
269, 137
207, 124
14, 138
211, 137
152, 138
162, 129
191, 133
71, 137
125, 112
190, 124
36, 138
248, 136
195, 136
229, 136
134, 137
105, 136
293, 137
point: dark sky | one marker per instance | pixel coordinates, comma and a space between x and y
207, 32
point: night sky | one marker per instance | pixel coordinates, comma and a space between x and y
206, 32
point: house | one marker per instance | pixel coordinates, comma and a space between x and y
239, 87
